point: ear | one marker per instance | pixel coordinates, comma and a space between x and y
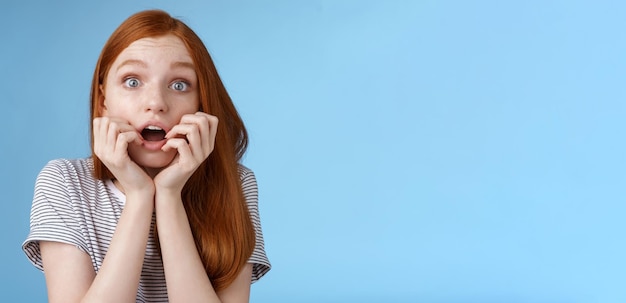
102, 101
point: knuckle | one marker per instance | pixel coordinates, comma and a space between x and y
122, 137
114, 126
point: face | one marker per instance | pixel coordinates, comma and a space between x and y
151, 85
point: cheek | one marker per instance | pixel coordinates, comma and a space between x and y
187, 105
195, 103
116, 104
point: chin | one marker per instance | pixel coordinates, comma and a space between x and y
158, 160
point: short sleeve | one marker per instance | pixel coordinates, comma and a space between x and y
260, 262
52, 216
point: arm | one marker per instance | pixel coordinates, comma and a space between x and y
70, 276
68, 271
186, 278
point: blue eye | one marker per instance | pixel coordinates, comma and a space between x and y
180, 86
131, 82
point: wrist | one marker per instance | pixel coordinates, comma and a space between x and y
168, 196
145, 190
144, 196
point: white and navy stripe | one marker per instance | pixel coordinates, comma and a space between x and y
71, 206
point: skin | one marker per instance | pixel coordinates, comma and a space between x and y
152, 82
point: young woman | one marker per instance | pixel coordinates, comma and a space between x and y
162, 211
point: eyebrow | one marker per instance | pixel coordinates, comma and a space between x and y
132, 62
184, 64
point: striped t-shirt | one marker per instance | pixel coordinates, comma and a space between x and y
71, 206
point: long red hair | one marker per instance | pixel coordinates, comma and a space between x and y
213, 197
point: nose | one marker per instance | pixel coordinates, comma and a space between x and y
155, 101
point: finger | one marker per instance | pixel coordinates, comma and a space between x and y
213, 122
106, 136
208, 128
185, 156
111, 134
122, 141
200, 119
117, 126
192, 135
95, 130
121, 125
101, 136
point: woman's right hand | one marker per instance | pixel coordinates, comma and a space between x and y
111, 137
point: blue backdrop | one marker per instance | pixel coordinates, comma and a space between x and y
406, 151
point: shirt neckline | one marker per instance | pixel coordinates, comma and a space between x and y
116, 192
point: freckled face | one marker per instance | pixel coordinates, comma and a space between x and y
151, 85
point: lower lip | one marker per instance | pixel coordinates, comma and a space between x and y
153, 145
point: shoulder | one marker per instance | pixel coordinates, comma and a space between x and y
64, 175
259, 260
248, 182
244, 172
78, 167
60, 208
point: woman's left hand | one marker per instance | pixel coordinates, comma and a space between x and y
194, 139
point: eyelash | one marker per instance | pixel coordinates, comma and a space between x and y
185, 83
129, 78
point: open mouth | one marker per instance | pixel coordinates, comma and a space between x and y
153, 133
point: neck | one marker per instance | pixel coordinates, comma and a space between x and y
152, 172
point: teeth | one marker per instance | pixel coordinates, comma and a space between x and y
153, 127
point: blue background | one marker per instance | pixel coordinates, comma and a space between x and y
406, 151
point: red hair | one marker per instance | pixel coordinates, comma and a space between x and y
213, 197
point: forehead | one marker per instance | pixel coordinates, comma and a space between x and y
167, 47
